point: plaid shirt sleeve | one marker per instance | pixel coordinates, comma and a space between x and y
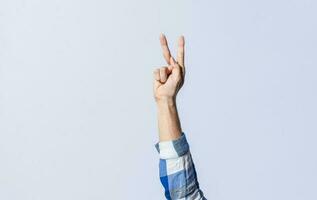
177, 170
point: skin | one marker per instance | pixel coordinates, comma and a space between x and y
167, 82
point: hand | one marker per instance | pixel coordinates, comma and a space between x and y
169, 79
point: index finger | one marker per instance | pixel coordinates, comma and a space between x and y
164, 45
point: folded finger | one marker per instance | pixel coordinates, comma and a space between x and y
157, 74
163, 74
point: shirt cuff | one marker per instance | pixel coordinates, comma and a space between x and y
173, 148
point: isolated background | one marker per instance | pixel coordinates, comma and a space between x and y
77, 116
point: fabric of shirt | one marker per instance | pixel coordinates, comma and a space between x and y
177, 170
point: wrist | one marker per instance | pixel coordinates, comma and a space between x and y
170, 101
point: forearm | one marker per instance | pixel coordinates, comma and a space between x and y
168, 120
177, 170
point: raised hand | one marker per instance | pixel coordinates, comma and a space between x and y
169, 79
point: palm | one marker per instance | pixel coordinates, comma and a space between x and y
171, 86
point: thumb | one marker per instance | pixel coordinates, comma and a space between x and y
172, 61
174, 65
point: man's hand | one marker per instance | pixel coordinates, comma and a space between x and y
169, 79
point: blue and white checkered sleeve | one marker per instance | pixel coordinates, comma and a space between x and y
177, 171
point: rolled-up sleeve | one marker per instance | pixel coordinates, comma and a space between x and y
177, 170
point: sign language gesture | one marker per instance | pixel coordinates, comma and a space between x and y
169, 79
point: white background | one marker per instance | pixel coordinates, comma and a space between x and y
77, 116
